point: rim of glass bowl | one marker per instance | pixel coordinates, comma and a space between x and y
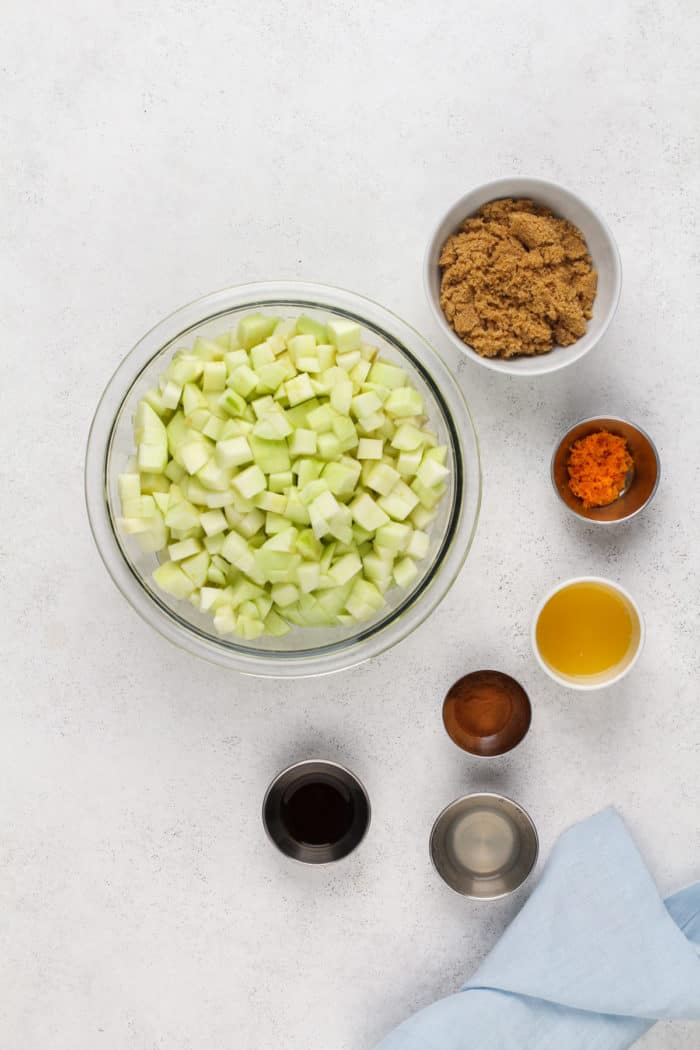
376, 637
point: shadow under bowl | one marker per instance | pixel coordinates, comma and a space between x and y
641, 484
487, 713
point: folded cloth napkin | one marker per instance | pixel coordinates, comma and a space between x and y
594, 958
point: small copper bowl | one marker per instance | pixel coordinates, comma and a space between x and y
487, 713
641, 483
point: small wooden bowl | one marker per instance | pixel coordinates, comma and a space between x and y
487, 713
641, 485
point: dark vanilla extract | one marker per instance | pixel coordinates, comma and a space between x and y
317, 811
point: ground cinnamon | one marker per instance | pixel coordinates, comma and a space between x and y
516, 280
486, 713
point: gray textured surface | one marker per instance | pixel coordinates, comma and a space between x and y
157, 152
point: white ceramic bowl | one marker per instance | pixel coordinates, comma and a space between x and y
614, 674
601, 245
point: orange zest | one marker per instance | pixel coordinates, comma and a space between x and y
598, 465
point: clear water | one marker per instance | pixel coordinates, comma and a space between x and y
482, 842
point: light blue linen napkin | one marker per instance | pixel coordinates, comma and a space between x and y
594, 958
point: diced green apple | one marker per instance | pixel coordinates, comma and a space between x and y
284, 594
271, 456
275, 502
405, 572
418, 544
214, 376
306, 325
299, 389
243, 379
431, 473
213, 521
233, 452
394, 536
345, 336
183, 549
151, 440
254, 329
303, 442
308, 576
261, 355
171, 579
194, 455
404, 401
399, 503
367, 513
196, 567
342, 477
249, 482
274, 426
385, 374
345, 568
370, 448
382, 478
409, 462
288, 473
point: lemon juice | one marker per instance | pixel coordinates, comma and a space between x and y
586, 629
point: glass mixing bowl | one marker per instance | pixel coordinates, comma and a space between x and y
305, 650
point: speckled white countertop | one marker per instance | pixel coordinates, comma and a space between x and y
152, 153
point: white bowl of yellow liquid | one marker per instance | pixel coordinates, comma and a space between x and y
587, 633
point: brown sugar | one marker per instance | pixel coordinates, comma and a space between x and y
517, 280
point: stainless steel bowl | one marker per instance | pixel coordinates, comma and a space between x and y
640, 486
295, 776
484, 845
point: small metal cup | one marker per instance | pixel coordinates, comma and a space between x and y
484, 845
487, 713
641, 485
289, 780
